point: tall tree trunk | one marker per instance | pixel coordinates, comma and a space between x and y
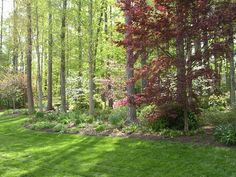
110, 99
132, 115
232, 66
1, 40
15, 49
50, 46
181, 63
90, 60
79, 4
39, 76
63, 57
29, 60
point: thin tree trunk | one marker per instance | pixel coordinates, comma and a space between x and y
15, 49
50, 45
232, 66
181, 64
40, 92
29, 60
63, 57
132, 115
90, 60
1, 42
110, 99
80, 38
98, 31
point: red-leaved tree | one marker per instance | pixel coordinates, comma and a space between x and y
185, 36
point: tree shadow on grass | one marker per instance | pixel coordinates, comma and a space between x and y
133, 158
41, 154
67, 160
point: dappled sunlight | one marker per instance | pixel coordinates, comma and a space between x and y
28, 153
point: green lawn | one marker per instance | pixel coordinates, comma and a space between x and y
26, 153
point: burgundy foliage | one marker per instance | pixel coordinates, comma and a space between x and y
154, 27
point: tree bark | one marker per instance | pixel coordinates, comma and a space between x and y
132, 115
39, 76
15, 49
232, 65
50, 45
109, 87
29, 60
1, 40
181, 63
79, 4
63, 57
90, 60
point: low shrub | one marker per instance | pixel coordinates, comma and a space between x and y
101, 127
158, 124
131, 128
215, 102
102, 115
118, 116
51, 116
64, 118
85, 118
174, 115
145, 111
168, 116
43, 125
59, 128
226, 134
39, 115
217, 117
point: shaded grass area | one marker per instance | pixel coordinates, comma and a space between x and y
25, 153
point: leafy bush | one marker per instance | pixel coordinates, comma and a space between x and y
39, 115
102, 114
226, 134
174, 115
86, 118
215, 102
42, 125
101, 127
118, 116
59, 128
170, 116
145, 111
217, 117
131, 128
51, 116
64, 118
158, 124
12, 91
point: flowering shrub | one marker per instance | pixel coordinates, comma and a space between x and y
13, 91
120, 103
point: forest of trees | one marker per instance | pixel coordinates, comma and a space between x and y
97, 55
121, 88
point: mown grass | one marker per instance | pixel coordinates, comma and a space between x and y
25, 153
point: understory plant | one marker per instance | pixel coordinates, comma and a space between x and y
226, 134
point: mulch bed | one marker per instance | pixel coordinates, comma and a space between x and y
206, 139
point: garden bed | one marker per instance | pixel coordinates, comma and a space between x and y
204, 138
